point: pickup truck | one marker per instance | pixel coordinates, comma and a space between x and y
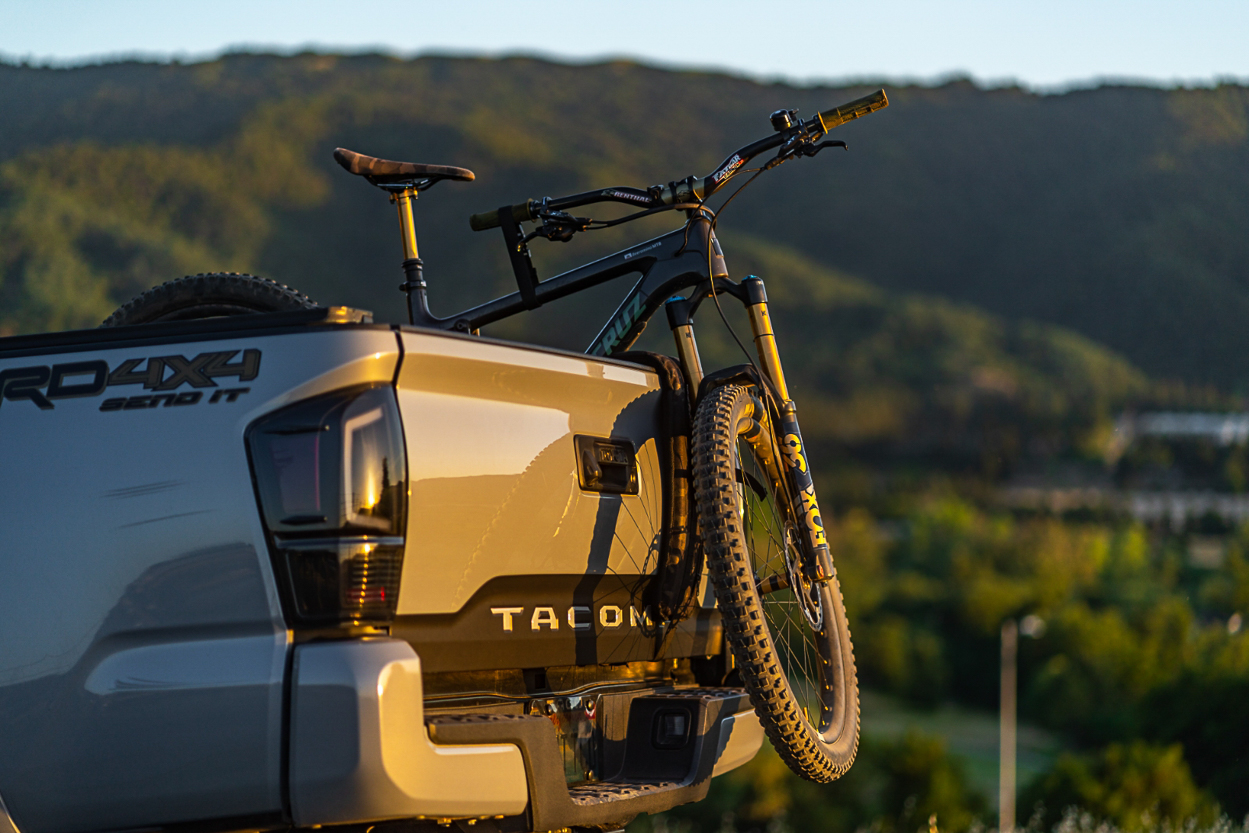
297, 569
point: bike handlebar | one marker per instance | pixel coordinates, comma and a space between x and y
490, 219
696, 189
858, 108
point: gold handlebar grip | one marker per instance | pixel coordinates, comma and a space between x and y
490, 219
855, 109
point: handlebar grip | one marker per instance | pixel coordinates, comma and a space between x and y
855, 109
490, 219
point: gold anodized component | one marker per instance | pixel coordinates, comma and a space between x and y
765, 344
407, 225
772, 584
755, 427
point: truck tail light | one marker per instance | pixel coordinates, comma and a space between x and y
331, 476
350, 580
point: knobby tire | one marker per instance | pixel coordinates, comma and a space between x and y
208, 295
776, 648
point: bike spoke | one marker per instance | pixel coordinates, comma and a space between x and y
763, 517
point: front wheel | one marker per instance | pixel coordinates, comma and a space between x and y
788, 635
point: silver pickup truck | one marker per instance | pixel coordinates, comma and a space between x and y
270, 565
300, 569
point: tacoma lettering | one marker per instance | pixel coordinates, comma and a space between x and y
578, 617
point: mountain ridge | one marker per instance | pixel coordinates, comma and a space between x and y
1116, 212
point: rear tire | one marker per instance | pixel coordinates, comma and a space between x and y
208, 295
793, 649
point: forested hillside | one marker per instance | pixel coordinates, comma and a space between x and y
1117, 212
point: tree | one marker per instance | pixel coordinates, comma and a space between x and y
1133, 785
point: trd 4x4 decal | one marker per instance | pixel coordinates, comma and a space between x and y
41, 384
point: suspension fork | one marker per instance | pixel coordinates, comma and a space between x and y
751, 292
680, 314
806, 507
680, 320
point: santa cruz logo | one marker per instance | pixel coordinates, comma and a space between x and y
42, 385
616, 331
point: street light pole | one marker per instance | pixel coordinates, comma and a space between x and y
1006, 751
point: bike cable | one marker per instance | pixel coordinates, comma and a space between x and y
711, 278
681, 206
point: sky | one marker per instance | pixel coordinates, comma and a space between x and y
1055, 44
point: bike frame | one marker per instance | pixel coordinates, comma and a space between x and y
666, 264
681, 259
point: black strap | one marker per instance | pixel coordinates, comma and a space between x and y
681, 557
518, 252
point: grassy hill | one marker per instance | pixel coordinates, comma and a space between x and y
1116, 212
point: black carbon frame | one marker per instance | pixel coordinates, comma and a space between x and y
667, 264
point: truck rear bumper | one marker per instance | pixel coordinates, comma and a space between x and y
361, 749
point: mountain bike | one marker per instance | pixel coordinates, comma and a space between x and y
741, 452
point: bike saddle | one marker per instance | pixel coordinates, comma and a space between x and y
385, 172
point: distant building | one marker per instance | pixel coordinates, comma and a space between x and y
1185, 485
1223, 429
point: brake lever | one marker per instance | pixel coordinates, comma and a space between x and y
812, 150
794, 149
559, 226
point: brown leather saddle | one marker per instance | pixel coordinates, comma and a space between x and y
384, 172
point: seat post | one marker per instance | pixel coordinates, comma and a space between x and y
402, 180
413, 268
